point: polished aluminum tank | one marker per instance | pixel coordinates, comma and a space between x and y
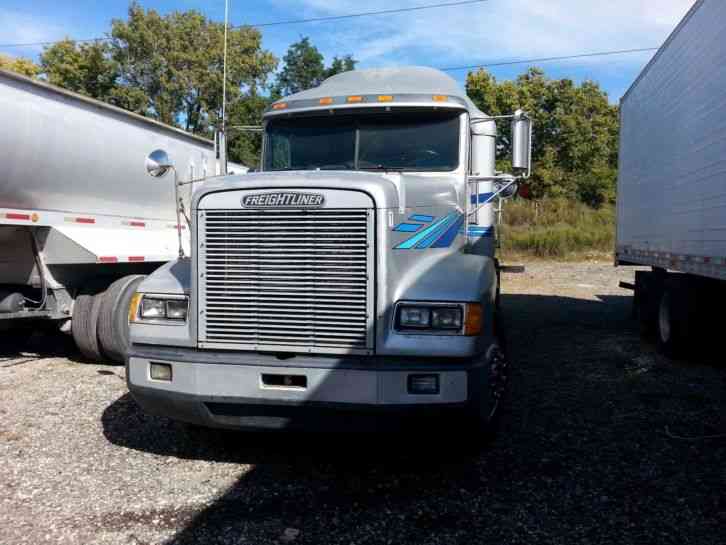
64, 152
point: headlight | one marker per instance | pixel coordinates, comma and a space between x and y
176, 309
147, 307
418, 317
152, 309
443, 318
446, 318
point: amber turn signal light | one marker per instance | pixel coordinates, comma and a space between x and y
474, 319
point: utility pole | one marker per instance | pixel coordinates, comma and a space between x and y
223, 131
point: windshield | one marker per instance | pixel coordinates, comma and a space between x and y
402, 141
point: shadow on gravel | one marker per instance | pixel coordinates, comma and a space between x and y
581, 457
38, 340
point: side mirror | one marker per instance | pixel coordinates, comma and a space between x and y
158, 163
521, 142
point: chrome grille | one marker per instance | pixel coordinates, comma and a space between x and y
294, 280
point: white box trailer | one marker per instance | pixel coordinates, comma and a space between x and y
80, 222
671, 212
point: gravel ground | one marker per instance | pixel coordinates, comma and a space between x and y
588, 451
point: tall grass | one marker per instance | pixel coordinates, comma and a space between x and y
558, 228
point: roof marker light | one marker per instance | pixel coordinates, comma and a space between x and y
326, 100
355, 98
385, 98
279, 106
440, 98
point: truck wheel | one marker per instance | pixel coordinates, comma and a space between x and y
672, 321
482, 420
84, 324
113, 324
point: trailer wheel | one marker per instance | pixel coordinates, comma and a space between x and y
646, 298
113, 325
84, 325
673, 320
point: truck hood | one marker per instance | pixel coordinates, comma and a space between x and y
388, 190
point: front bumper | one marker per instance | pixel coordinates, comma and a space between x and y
207, 392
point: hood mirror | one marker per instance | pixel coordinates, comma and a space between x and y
521, 142
158, 163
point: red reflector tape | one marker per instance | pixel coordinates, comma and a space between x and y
137, 224
108, 259
85, 220
136, 258
12, 216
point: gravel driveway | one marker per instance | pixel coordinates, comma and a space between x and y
598, 445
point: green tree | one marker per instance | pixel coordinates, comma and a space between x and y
171, 68
340, 64
175, 62
304, 67
245, 147
20, 65
575, 137
85, 68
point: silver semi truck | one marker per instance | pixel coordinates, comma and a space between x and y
671, 211
80, 225
356, 271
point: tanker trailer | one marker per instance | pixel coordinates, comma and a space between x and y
80, 226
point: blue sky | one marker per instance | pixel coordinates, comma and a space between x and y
495, 30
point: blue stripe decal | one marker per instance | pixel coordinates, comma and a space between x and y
411, 242
483, 198
422, 217
448, 237
407, 227
430, 239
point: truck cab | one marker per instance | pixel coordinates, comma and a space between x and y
355, 272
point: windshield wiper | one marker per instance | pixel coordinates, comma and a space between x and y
383, 167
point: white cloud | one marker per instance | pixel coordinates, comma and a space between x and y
493, 30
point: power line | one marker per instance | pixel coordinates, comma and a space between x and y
549, 59
291, 21
367, 13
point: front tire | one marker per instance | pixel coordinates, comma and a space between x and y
481, 422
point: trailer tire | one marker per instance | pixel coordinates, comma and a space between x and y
84, 325
113, 325
673, 333
646, 298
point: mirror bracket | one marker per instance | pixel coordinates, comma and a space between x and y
157, 165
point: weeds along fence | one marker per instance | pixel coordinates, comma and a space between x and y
556, 228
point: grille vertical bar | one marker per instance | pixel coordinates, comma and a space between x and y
286, 280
